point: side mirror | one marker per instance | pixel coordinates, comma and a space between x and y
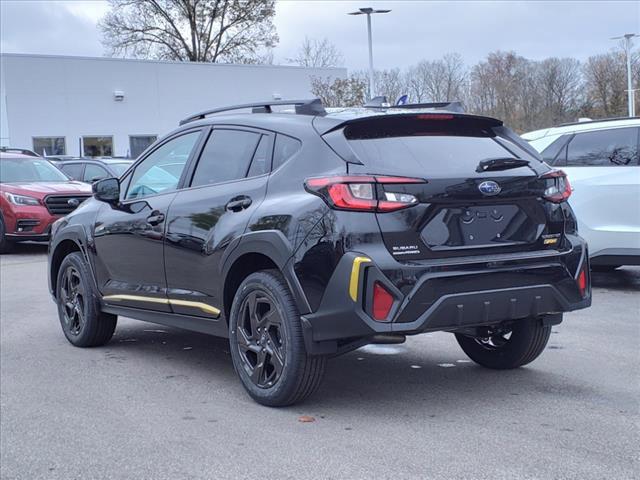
107, 190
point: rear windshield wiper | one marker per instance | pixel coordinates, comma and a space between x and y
500, 163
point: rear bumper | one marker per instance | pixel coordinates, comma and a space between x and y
449, 298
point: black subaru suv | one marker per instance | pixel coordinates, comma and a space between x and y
307, 233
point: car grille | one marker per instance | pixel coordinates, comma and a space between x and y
63, 204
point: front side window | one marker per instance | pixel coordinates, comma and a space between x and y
161, 170
617, 146
27, 170
139, 143
225, 157
49, 146
94, 172
97, 146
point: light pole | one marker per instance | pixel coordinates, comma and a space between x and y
368, 12
631, 93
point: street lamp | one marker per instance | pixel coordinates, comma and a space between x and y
368, 12
627, 46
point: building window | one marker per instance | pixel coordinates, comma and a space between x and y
97, 146
49, 146
139, 143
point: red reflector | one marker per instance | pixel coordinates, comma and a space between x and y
582, 282
382, 302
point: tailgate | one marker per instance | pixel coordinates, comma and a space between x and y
482, 192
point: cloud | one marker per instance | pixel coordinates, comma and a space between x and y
57, 28
414, 30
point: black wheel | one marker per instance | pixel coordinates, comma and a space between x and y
82, 322
267, 346
6, 245
604, 268
510, 347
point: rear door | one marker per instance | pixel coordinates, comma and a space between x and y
463, 208
602, 166
227, 183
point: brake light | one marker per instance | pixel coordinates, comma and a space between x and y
382, 302
363, 193
557, 189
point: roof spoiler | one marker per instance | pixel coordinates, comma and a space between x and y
303, 107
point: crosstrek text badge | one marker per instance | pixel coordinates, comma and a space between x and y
489, 187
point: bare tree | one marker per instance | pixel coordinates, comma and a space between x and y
318, 53
190, 30
606, 82
558, 81
340, 92
389, 83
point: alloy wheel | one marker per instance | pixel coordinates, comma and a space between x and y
72, 300
260, 339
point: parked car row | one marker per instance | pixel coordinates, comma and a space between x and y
35, 190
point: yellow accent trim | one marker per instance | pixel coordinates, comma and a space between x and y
549, 241
201, 305
354, 283
166, 301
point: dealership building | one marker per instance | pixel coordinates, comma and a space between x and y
62, 105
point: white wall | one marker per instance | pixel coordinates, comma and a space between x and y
74, 96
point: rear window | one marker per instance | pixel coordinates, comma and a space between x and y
428, 154
431, 144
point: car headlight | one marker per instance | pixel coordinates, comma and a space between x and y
21, 199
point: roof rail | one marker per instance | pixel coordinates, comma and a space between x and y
381, 102
596, 120
303, 107
23, 151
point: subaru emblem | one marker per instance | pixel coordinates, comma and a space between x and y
489, 188
73, 202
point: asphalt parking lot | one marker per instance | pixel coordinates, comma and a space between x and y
162, 403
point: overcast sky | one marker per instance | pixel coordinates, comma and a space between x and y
412, 31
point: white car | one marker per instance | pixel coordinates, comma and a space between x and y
601, 159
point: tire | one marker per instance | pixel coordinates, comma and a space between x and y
266, 342
82, 321
507, 349
6, 245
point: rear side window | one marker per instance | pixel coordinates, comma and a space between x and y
74, 170
618, 146
556, 153
260, 161
285, 148
226, 156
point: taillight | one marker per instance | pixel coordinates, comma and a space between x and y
557, 188
382, 302
363, 193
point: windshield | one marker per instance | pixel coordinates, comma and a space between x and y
14, 170
119, 168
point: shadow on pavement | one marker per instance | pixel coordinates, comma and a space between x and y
625, 278
416, 381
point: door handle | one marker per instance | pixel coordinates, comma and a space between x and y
237, 204
155, 218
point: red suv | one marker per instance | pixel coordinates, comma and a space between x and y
33, 194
